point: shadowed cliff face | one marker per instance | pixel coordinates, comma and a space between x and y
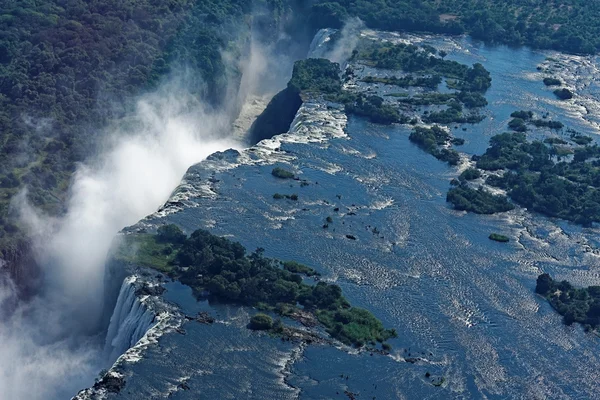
277, 117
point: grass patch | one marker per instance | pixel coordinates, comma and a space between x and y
499, 238
146, 250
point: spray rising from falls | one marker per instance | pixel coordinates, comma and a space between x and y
48, 350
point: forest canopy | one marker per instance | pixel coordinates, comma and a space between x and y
221, 269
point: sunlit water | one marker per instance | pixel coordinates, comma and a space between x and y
463, 304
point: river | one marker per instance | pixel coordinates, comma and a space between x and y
464, 306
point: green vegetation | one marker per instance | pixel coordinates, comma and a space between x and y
469, 99
261, 322
563, 94
432, 141
499, 238
523, 115
470, 174
70, 68
555, 140
570, 25
517, 124
471, 83
281, 173
479, 201
552, 82
413, 59
219, 268
453, 114
148, 251
279, 196
568, 190
581, 139
430, 82
297, 268
373, 108
548, 124
522, 118
354, 326
575, 305
316, 75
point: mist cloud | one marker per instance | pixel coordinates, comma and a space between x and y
48, 348
346, 42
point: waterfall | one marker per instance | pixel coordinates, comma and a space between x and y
129, 322
320, 43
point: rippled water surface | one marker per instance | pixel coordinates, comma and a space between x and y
463, 304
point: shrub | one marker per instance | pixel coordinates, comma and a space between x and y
261, 322
499, 238
563, 94
170, 234
552, 82
282, 173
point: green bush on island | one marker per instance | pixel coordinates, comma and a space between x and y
218, 268
469, 99
452, 115
575, 305
261, 322
581, 139
412, 59
374, 108
563, 94
506, 151
569, 25
297, 268
552, 82
568, 190
170, 234
499, 238
279, 196
524, 115
472, 99
517, 124
470, 174
555, 140
430, 82
279, 172
479, 201
431, 140
316, 75
548, 124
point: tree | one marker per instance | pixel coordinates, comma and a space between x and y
544, 284
170, 234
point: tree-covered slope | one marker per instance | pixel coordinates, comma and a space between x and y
68, 68
570, 25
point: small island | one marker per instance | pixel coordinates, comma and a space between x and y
479, 201
435, 141
563, 94
281, 173
219, 269
575, 305
260, 322
552, 81
522, 118
499, 238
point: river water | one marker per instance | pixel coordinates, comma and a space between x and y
463, 305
